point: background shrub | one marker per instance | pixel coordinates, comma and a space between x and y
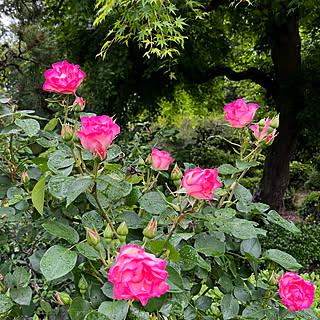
304, 247
310, 207
299, 174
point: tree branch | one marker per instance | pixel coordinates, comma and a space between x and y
254, 74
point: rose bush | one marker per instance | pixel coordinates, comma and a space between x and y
160, 160
138, 275
201, 183
63, 78
296, 293
105, 232
97, 131
239, 114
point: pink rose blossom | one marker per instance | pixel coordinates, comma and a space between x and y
296, 293
239, 114
25, 177
160, 159
1, 276
138, 275
200, 183
63, 78
96, 132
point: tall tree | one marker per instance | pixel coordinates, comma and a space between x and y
264, 46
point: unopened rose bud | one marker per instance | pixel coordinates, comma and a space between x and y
148, 161
151, 230
100, 154
25, 178
176, 173
108, 234
78, 104
93, 238
123, 229
66, 133
1, 276
63, 298
274, 123
83, 284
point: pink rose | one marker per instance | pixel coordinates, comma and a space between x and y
138, 275
63, 78
96, 132
271, 136
239, 114
296, 293
200, 183
160, 159
264, 132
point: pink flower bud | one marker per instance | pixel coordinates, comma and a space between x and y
78, 104
176, 173
93, 238
66, 133
151, 230
63, 298
100, 154
25, 177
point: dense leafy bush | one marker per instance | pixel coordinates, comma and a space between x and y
299, 174
310, 207
306, 246
313, 181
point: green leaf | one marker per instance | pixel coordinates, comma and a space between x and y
107, 290
76, 187
21, 296
274, 217
209, 246
79, 308
5, 303
37, 195
60, 162
242, 165
51, 124
189, 258
113, 151
190, 313
92, 218
86, 250
30, 126
284, 259
94, 315
20, 277
57, 262
62, 231
157, 245
203, 303
229, 307
242, 229
227, 169
308, 314
243, 194
153, 202
122, 189
251, 246
242, 294
253, 312
132, 220
174, 280
116, 310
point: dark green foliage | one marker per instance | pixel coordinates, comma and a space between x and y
299, 174
305, 247
313, 182
310, 207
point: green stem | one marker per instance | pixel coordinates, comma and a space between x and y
102, 259
78, 165
105, 214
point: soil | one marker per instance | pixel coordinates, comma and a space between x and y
291, 215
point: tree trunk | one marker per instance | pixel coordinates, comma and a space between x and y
288, 97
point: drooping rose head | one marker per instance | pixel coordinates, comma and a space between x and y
200, 183
97, 131
138, 275
296, 293
63, 78
239, 114
160, 159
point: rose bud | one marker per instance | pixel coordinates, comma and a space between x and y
63, 298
